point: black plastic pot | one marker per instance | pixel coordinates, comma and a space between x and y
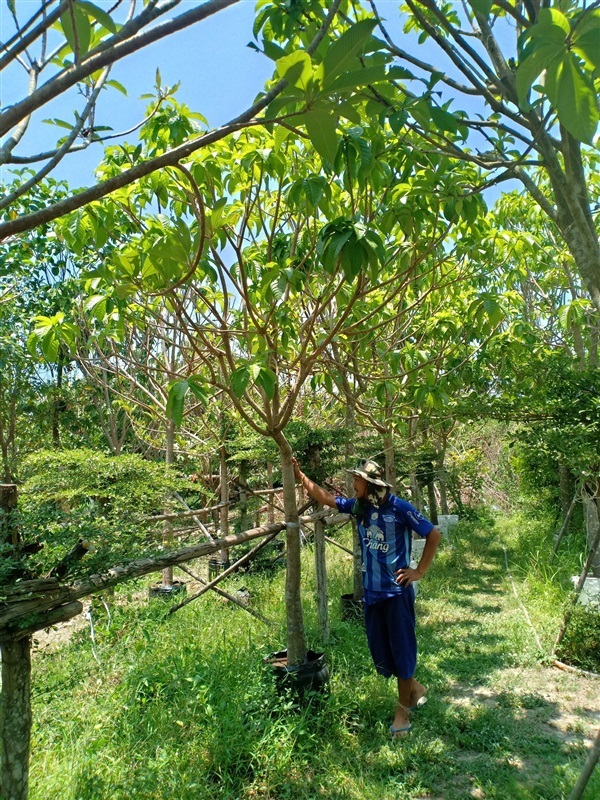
351, 610
312, 676
158, 590
216, 567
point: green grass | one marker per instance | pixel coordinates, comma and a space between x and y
182, 706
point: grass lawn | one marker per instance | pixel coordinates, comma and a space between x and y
182, 707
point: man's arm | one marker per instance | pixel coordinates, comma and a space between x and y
406, 576
315, 491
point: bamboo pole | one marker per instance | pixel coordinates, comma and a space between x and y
236, 565
564, 527
587, 770
227, 596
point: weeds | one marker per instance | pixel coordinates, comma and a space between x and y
182, 707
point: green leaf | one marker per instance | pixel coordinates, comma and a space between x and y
529, 69
586, 39
481, 6
99, 15
267, 380
348, 111
443, 120
321, 127
273, 50
118, 86
400, 73
359, 77
50, 346
552, 17
175, 401
279, 136
574, 98
198, 389
342, 53
60, 122
398, 120
296, 69
239, 380
77, 29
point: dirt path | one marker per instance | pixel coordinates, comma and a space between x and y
508, 719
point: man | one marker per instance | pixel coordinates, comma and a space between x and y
385, 523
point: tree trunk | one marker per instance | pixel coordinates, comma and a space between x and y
224, 512
432, 500
441, 473
296, 644
56, 406
271, 500
390, 460
567, 490
9, 532
321, 575
357, 584
243, 485
592, 524
15, 718
167, 574
415, 491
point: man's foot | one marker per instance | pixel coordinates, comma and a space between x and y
401, 724
418, 696
400, 733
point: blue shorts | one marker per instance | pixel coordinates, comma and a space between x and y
391, 635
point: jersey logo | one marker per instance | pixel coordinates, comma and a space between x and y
388, 518
375, 539
374, 516
415, 516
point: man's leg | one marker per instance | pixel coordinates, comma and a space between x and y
401, 625
417, 691
401, 719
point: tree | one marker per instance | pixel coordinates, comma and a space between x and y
91, 42
514, 124
256, 328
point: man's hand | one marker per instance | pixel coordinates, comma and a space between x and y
297, 470
407, 576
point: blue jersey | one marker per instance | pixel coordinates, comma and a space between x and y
385, 535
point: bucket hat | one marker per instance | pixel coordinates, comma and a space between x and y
370, 471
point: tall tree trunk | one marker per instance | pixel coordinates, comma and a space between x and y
9, 532
56, 405
245, 523
296, 644
415, 491
167, 574
15, 702
567, 489
321, 575
357, 583
271, 500
224, 511
390, 460
591, 504
432, 502
441, 474
15, 718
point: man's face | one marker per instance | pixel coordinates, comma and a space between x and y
360, 487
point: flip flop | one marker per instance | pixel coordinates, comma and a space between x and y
420, 703
404, 729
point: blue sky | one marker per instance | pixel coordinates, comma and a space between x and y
219, 75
